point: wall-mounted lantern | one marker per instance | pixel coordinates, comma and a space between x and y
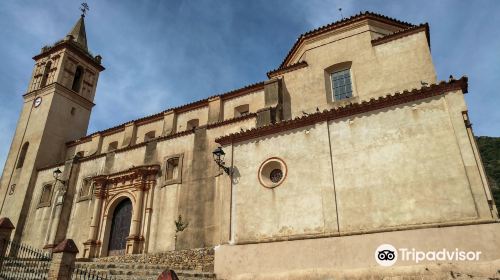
219, 159
57, 173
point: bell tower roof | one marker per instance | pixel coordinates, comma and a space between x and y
78, 33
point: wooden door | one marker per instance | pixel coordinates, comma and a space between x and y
120, 228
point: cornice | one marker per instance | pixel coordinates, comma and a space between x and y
56, 87
172, 136
293, 67
347, 111
74, 48
404, 33
181, 109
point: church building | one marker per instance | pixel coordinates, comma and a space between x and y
350, 143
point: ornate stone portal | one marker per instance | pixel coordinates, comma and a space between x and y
136, 184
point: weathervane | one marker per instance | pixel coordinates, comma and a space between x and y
84, 8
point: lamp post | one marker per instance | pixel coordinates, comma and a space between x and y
61, 190
219, 155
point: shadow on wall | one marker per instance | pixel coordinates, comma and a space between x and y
235, 175
287, 103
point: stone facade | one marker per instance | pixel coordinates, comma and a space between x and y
397, 155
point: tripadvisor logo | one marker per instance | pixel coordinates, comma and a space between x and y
387, 255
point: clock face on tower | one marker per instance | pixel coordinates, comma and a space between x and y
37, 101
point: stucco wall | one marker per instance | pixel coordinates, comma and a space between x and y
338, 254
157, 127
201, 114
255, 101
375, 70
391, 168
199, 198
39, 227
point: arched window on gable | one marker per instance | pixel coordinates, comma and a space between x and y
22, 155
339, 82
77, 81
46, 72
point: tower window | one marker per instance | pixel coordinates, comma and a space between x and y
241, 110
46, 196
192, 124
77, 79
73, 110
341, 84
22, 155
45, 76
112, 146
149, 136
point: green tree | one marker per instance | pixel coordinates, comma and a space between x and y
489, 148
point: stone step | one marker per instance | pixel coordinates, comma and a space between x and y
199, 259
132, 271
26, 276
96, 265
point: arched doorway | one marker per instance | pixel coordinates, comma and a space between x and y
120, 228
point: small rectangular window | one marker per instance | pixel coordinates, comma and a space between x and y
173, 169
192, 124
149, 136
46, 196
86, 189
241, 110
112, 146
341, 84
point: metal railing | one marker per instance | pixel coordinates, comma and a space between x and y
88, 274
23, 262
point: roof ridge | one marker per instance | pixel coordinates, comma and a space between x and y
339, 23
348, 110
402, 33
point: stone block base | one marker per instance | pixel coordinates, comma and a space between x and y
90, 249
337, 255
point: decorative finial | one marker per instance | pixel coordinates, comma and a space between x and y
84, 8
341, 16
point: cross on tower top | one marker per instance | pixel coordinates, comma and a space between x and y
84, 8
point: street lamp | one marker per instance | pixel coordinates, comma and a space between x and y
219, 159
57, 173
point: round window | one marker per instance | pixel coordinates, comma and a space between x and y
276, 175
272, 172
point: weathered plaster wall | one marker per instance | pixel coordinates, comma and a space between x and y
201, 114
198, 198
157, 127
375, 70
383, 177
392, 168
303, 204
40, 218
351, 252
111, 138
255, 101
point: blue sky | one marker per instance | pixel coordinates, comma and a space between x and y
161, 54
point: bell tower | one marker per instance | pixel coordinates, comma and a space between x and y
56, 109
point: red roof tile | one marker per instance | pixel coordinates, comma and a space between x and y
349, 110
341, 23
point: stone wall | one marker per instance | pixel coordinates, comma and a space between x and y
201, 259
